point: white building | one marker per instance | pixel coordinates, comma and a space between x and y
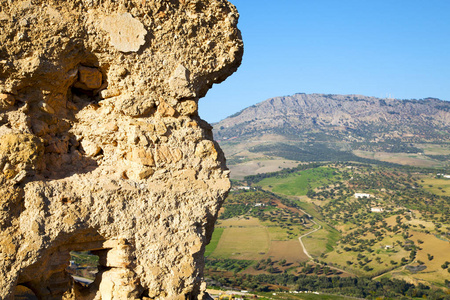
376, 209
362, 195
443, 175
241, 188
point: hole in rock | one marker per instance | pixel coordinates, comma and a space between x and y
82, 98
100, 153
90, 81
84, 94
83, 267
70, 269
21, 292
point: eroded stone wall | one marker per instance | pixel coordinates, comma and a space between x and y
101, 146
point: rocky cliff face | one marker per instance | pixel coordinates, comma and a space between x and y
101, 147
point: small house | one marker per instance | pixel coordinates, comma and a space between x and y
362, 195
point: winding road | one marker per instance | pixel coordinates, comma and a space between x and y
304, 248
302, 236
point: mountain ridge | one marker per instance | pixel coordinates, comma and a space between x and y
300, 112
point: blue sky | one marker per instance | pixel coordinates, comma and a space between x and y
396, 48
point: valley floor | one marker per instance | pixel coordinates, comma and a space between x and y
306, 221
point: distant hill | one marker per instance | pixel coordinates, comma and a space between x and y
315, 124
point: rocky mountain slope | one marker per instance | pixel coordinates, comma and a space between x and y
349, 117
319, 127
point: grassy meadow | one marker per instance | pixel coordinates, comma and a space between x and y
250, 239
438, 186
244, 239
298, 184
408, 159
217, 234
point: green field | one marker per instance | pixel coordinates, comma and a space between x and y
298, 184
303, 296
416, 159
84, 258
282, 295
434, 149
321, 241
249, 239
242, 239
214, 241
438, 186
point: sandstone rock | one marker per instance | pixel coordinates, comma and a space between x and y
179, 82
206, 149
165, 110
23, 293
6, 101
88, 78
71, 105
21, 151
127, 33
145, 173
40, 128
142, 156
46, 107
187, 108
101, 145
160, 128
119, 283
166, 155
19, 177
105, 94
90, 149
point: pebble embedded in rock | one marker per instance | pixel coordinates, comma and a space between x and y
6, 101
88, 78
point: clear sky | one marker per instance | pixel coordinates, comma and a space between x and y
381, 48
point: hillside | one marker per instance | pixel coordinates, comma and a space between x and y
319, 127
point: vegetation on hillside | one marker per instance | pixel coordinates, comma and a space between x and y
350, 286
401, 230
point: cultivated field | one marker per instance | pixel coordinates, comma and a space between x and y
291, 251
278, 295
321, 241
302, 296
242, 239
250, 239
217, 234
437, 186
410, 159
261, 165
434, 149
440, 253
298, 184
